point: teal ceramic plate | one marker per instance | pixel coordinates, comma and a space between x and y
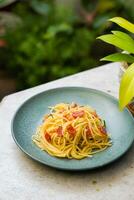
119, 124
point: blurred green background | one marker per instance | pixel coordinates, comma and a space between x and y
42, 40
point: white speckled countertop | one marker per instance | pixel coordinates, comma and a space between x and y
22, 178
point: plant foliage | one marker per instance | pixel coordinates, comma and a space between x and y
44, 48
124, 42
54, 41
127, 87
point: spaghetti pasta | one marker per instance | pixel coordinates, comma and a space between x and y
72, 131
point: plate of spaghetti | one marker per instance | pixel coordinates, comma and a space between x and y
73, 128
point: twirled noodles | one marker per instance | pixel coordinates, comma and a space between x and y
72, 131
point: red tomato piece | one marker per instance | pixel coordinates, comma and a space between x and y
47, 137
60, 131
102, 129
78, 113
71, 130
88, 131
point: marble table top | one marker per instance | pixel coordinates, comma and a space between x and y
22, 178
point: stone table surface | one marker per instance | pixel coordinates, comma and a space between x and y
22, 178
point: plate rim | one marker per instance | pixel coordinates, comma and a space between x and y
58, 167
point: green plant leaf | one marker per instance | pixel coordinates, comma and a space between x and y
123, 23
119, 57
118, 42
42, 8
126, 92
54, 29
124, 36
